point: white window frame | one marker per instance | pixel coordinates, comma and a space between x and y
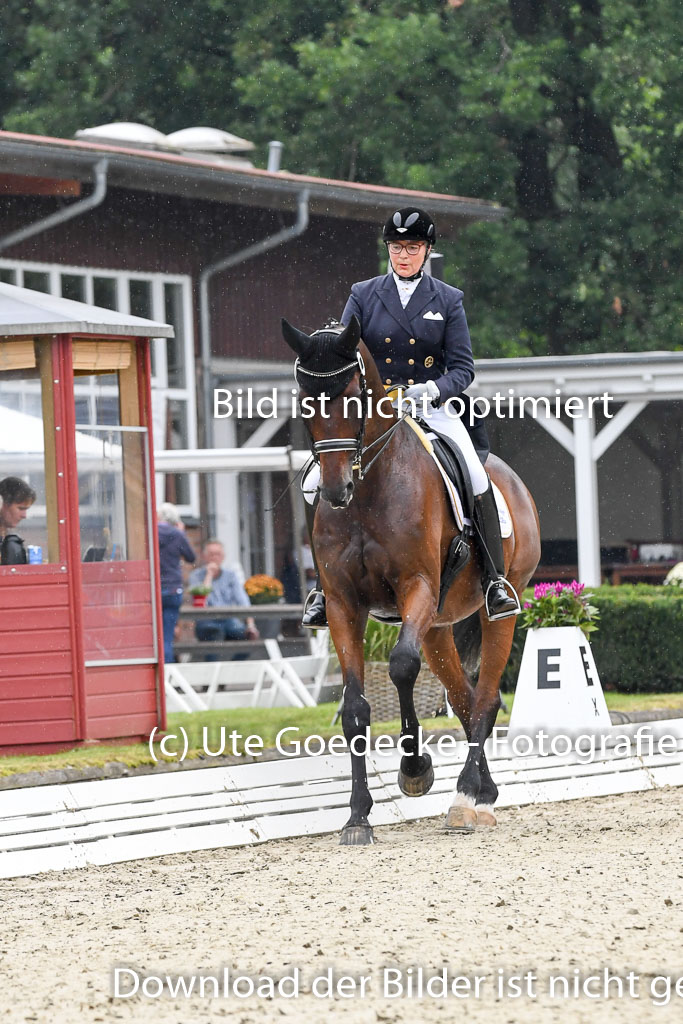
159, 382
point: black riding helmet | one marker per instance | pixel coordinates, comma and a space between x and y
410, 225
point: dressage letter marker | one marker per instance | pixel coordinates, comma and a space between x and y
545, 667
558, 690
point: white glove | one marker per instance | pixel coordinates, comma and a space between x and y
417, 391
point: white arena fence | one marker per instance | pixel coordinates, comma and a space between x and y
54, 828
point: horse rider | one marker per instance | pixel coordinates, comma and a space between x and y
416, 330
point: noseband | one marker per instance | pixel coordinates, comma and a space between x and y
342, 444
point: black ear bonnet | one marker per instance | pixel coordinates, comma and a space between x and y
327, 359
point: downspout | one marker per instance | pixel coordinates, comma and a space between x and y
257, 249
66, 213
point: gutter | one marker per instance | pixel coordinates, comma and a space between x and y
66, 213
200, 179
257, 249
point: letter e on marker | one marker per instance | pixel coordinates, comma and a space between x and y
545, 668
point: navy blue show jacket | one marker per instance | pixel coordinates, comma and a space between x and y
428, 340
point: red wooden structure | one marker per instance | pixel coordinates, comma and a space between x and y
80, 631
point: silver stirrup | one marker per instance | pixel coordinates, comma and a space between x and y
309, 600
513, 594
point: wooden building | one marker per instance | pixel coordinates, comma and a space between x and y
217, 248
80, 624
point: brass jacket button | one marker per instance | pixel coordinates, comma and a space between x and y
411, 381
387, 360
388, 380
412, 341
410, 362
387, 340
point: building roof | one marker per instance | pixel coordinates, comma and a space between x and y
626, 376
201, 178
23, 311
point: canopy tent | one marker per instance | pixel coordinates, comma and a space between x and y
24, 312
21, 434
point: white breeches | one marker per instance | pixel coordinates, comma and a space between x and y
451, 426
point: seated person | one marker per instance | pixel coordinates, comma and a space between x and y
17, 498
226, 589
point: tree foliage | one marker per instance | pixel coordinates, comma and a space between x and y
566, 112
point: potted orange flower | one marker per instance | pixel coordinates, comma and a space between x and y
263, 589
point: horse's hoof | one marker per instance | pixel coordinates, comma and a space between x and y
356, 835
460, 819
485, 818
416, 785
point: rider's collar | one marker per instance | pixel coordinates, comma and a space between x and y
407, 280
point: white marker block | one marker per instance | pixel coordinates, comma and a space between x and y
558, 689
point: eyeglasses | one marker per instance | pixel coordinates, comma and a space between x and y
413, 248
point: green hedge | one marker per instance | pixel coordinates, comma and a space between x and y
638, 647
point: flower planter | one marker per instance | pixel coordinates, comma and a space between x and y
382, 695
199, 600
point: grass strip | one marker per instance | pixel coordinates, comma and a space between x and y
267, 723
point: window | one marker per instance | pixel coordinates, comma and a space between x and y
27, 442
162, 297
114, 513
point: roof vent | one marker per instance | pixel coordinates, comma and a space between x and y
208, 140
141, 136
212, 144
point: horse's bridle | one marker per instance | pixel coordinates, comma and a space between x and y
350, 444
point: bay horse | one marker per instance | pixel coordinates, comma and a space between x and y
381, 542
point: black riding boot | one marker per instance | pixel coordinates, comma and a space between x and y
500, 598
315, 614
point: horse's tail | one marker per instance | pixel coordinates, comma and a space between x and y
467, 636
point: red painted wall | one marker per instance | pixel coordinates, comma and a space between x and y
54, 618
37, 698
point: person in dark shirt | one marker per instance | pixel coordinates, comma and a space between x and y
173, 545
17, 498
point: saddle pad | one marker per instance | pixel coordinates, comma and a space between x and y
504, 516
